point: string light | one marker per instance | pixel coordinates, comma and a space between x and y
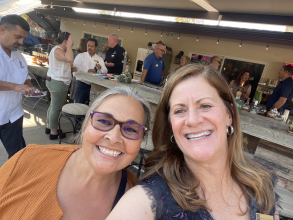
84, 23
197, 38
218, 41
162, 34
179, 36
106, 26
268, 46
75, 21
146, 31
95, 24
240, 43
119, 28
132, 30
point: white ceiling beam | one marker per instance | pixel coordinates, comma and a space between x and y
205, 4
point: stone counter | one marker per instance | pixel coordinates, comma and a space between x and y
34, 68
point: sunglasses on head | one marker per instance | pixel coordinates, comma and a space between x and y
105, 122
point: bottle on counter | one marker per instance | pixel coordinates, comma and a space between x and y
253, 109
238, 101
246, 106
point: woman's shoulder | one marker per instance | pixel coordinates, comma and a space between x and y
38, 157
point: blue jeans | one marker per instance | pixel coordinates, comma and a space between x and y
82, 93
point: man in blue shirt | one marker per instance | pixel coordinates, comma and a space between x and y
283, 93
154, 67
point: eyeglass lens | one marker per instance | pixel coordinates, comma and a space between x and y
104, 122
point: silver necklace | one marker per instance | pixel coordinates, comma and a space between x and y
226, 206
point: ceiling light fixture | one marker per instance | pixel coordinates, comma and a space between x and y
197, 38
204, 4
179, 36
119, 28
218, 40
268, 46
132, 30
162, 34
240, 43
84, 23
146, 31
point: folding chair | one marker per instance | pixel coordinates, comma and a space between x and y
37, 85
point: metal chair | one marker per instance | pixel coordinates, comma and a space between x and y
37, 85
75, 111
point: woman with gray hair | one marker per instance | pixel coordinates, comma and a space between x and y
79, 181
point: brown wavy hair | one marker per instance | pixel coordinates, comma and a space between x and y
167, 160
82, 46
239, 78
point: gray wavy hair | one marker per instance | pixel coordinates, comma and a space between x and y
124, 91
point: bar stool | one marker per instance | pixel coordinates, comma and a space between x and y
76, 111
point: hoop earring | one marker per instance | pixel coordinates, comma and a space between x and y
174, 139
230, 130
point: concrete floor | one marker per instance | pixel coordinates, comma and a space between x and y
34, 127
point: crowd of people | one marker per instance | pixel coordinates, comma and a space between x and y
197, 169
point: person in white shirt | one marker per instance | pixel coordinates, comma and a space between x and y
87, 62
14, 80
58, 80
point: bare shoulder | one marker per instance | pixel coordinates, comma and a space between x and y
135, 204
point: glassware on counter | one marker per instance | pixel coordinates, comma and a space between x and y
246, 106
238, 101
254, 109
272, 113
278, 117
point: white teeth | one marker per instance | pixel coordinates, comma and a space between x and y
198, 135
109, 152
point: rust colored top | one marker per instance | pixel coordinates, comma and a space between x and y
28, 182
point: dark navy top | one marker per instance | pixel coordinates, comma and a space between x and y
284, 89
155, 67
166, 208
115, 55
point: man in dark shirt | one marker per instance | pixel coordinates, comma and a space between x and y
114, 56
283, 93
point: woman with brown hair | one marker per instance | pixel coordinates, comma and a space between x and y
241, 84
197, 169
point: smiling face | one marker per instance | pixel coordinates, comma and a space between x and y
109, 151
199, 120
12, 38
